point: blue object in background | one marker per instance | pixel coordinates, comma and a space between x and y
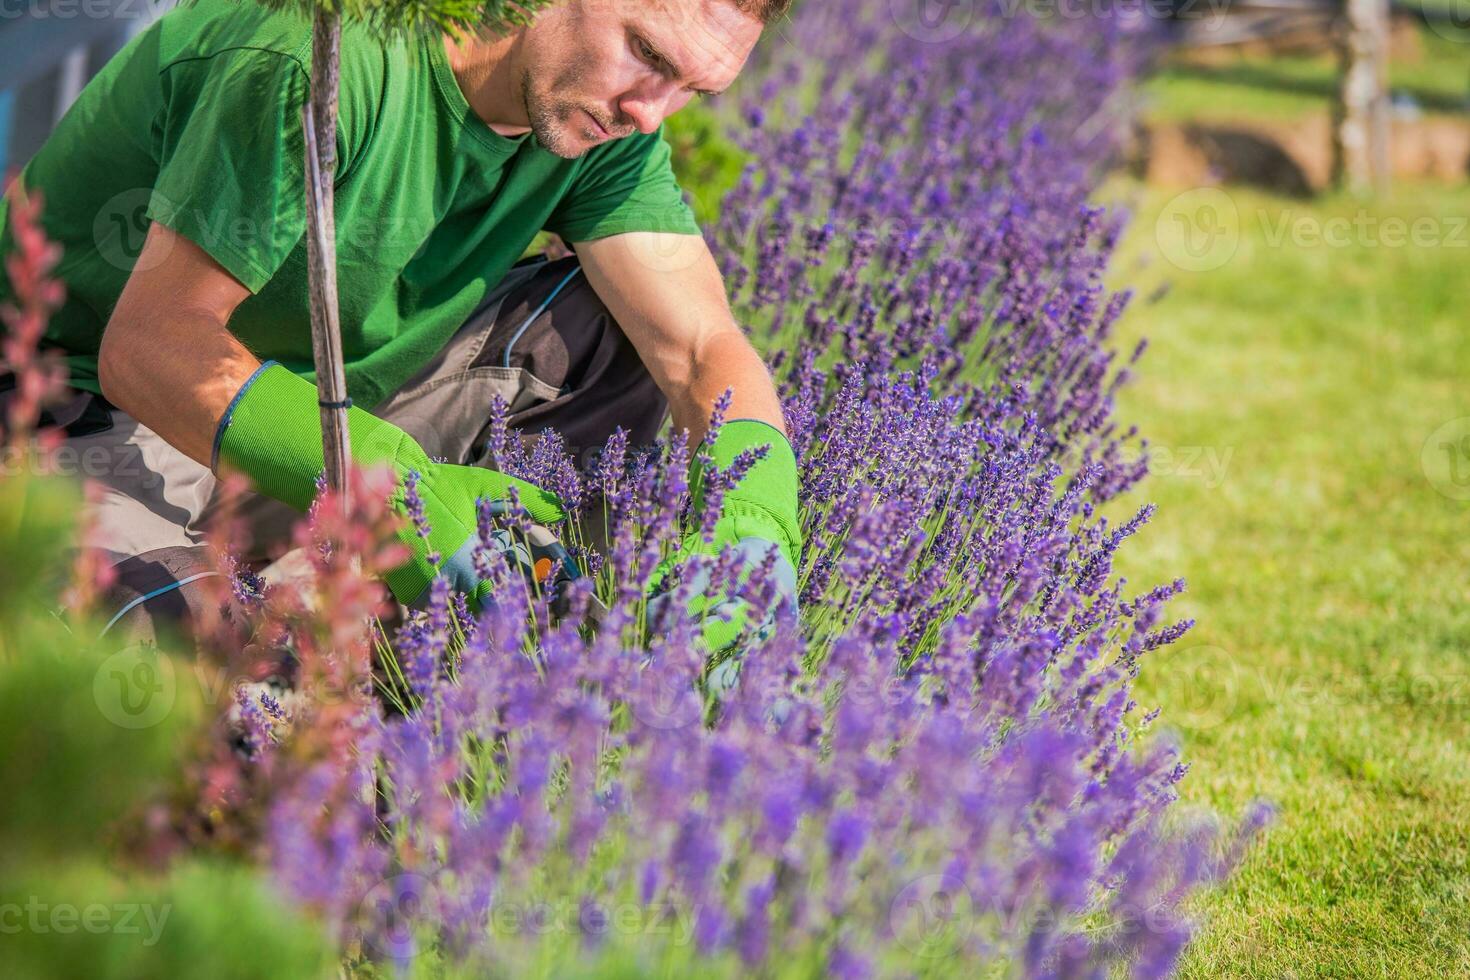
7, 99
48, 57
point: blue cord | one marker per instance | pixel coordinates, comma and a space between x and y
152, 595
539, 310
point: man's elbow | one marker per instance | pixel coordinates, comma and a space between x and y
114, 365
128, 364
109, 366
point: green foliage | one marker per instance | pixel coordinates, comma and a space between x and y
83, 737
92, 735
706, 162
36, 515
202, 920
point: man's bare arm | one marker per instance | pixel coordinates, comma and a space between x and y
667, 294
168, 358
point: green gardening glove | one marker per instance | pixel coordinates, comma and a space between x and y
272, 433
756, 515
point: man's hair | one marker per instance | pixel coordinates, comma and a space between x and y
766, 11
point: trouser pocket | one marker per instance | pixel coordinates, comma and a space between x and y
550, 349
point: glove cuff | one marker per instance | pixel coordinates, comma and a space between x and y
228, 417
272, 432
766, 496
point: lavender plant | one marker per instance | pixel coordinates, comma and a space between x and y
939, 768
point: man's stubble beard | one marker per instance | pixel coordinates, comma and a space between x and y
549, 117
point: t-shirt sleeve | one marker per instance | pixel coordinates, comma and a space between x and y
231, 162
625, 185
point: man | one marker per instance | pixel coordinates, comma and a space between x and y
175, 187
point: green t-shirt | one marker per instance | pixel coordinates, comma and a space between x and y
197, 124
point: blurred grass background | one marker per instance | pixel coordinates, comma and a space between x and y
1289, 394
1292, 391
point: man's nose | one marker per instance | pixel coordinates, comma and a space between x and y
649, 107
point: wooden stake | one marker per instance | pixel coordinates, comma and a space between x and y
319, 118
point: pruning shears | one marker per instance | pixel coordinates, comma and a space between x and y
547, 564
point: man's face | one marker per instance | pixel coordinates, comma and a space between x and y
598, 70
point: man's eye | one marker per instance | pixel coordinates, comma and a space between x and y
645, 52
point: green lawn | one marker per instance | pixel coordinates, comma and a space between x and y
1292, 390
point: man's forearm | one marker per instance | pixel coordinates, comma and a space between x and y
726, 361
168, 358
